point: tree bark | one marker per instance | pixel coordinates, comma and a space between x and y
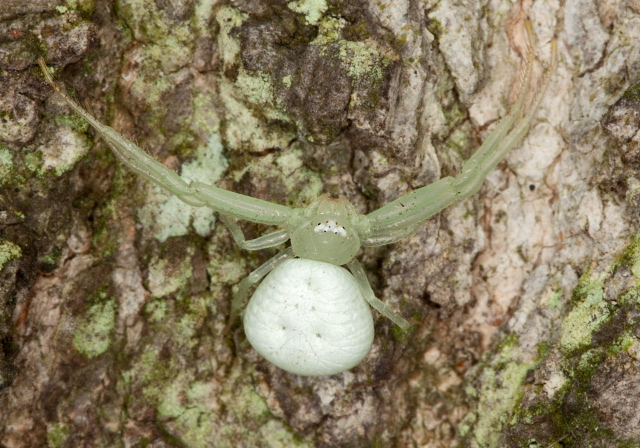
114, 295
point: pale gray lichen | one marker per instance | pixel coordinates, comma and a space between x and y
456, 40
64, 146
165, 216
165, 279
312, 9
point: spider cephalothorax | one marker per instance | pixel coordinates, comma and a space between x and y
327, 231
309, 316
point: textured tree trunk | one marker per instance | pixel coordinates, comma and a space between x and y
114, 294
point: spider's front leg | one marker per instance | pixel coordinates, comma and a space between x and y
128, 152
263, 242
197, 193
402, 217
230, 205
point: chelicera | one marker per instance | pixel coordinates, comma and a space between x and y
309, 316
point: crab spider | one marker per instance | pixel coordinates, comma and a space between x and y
310, 316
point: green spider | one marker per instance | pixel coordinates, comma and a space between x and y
310, 316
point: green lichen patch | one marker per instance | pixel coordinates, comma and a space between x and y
204, 123
193, 318
277, 435
554, 299
93, 335
165, 216
192, 419
499, 393
57, 435
622, 343
312, 76
225, 268
156, 311
632, 93
6, 164
32, 161
152, 87
105, 239
74, 122
228, 19
8, 251
245, 129
148, 22
183, 404
166, 48
286, 175
588, 314
257, 90
578, 392
194, 409
363, 60
248, 404
631, 257
150, 374
458, 145
254, 116
329, 31
544, 419
201, 19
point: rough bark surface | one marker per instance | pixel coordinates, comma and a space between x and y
114, 295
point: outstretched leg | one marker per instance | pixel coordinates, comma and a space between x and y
485, 159
197, 193
241, 294
356, 269
387, 223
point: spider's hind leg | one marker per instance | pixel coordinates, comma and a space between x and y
356, 269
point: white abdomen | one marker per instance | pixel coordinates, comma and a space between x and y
309, 318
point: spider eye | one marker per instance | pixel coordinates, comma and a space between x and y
331, 226
323, 239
